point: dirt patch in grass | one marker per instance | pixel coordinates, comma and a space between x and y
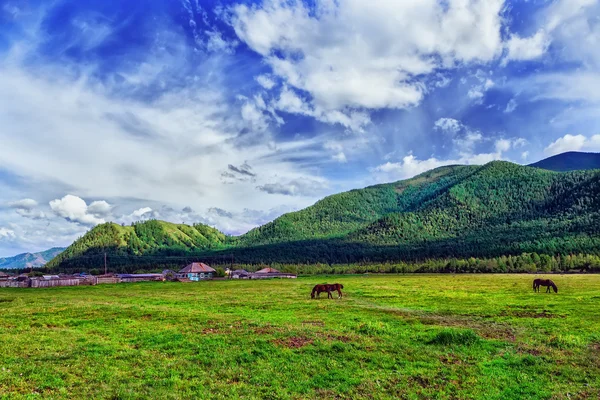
529, 314
6, 300
486, 329
266, 329
313, 323
294, 342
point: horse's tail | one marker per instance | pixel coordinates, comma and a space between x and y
554, 287
534, 282
312, 294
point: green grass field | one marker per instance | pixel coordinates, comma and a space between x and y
392, 336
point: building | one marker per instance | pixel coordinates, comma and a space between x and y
128, 278
196, 271
240, 274
3, 276
268, 273
268, 270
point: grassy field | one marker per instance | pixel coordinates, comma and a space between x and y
392, 336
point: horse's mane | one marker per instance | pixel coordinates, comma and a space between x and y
553, 286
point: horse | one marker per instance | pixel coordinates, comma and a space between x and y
544, 282
318, 289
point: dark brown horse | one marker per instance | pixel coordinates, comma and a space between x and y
544, 282
318, 289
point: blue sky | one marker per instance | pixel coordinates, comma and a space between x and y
234, 112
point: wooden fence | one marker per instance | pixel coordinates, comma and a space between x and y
45, 283
13, 283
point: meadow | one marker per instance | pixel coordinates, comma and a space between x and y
390, 336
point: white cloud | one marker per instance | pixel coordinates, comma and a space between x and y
573, 143
6, 233
410, 165
265, 81
502, 145
99, 208
26, 208
527, 48
75, 209
524, 155
141, 212
511, 106
450, 125
25, 204
347, 55
296, 187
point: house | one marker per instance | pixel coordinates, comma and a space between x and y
196, 271
268, 273
240, 274
3, 276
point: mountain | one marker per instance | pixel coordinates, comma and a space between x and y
30, 260
456, 211
149, 239
570, 161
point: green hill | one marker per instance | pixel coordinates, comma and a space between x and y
457, 211
344, 213
152, 241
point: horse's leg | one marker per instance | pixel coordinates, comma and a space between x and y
339, 293
329, 296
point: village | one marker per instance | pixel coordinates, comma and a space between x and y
194, 272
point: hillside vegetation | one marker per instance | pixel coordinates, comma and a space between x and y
147, 239
458, 211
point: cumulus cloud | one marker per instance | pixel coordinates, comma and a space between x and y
573, 143
364, 65
450, 125
527, 48
74, 209
265, 81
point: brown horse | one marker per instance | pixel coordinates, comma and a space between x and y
544, 282
318, 289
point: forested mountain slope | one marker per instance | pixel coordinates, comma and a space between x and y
458, 211
142, 239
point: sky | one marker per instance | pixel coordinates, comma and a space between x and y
231, 113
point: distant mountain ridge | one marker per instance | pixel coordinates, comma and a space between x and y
492, 210
570, 161
30, 260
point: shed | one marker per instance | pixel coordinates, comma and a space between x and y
140, 277
196, 271
240, 274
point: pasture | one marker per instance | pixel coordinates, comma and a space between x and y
390, 336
